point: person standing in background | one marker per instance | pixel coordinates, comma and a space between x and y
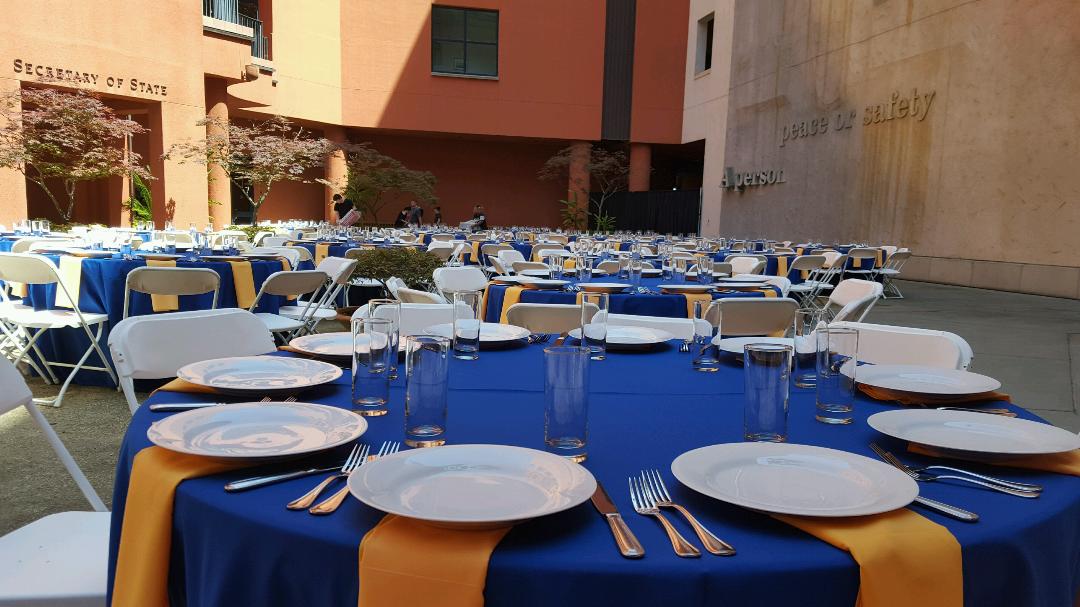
342, 206
437, 219
416, 214
480, 217
402, 218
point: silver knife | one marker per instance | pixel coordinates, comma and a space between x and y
628, 544
261, 481
182, 406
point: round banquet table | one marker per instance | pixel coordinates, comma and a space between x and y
657, 304
101, 290
645, 409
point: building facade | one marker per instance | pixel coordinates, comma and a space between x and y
479, 92
946, 126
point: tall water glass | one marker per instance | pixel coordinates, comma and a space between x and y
804, 336
837, 350
389, 309
554, 264
583, 266
766, 373
705, 270
467, 315
371, 366
636, 268
706, 353
427, 368
594, 326
566, 401
679, 266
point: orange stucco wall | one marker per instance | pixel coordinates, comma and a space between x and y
659, 66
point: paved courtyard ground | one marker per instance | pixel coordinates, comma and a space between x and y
1030, 343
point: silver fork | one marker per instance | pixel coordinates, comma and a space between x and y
892, 459
331, 503
1002, 412
356, 457
685, 347
990, 479
655, 488
646, 507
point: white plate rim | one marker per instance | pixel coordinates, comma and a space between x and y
883, 423
153, 433
446, 330
721, 342
910, 493
862, 371
660, 335
675, 289
589, 485
184, 372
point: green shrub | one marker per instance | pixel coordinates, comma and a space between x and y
412, 266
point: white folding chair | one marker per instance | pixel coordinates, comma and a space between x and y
60, 560
289, 284
548, 318
459, 278
290, 253
30, 325
892, 345
746, 264
305, 255
891, 270
867, 262
407, 295
508, 257
852, 300
744, 317
781, 282
171, 281
320, 306
416, 317
393, 284
155, 347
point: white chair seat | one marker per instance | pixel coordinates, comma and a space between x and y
298, 312
275, 323
27, 316
60, 560
889, 271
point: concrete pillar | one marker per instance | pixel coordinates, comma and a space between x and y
218, 187
336, 170
578, 186
12, 182
640, 167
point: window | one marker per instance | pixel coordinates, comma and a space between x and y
704, 43
464, 41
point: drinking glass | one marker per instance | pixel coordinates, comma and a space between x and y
594, 324
467, 316
804, 373
370, 365
427, 368
766, 371
566, 401
169, 226
636, 267
46, 227
706, 353
624, 267
390, 310
35, 227
837, 349
705, 270
554, 264
583, 265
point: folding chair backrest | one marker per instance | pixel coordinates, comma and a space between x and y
744, 264
898, 259
892, 345
15, 392
339, 269
460, 278
862, 253
743, 317
540, 252
296, 282
417, 317
509, 256
493, 249
852, 289
441, 237
442, 252
723, 267
393, 284
548, 318
521, 266
290, 253
858, 309
171, 281
806, 262
273, 241
408, 295
27, 268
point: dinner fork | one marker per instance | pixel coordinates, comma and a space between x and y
654, 486
645, 506
1002, 412
356, 457
685, 347
892, 459
331, 503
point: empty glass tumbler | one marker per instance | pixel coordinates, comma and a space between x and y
706, 354
427, 368
837, 356
804, 337
594, 326
467, 315
766, 372
566, 401
371, 365
389, 309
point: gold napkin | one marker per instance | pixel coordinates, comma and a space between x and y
402, 559
322, 251
705, 298
904, 558
510, 297
180, 385
163, 303
1061, 463
71, 276
243, 283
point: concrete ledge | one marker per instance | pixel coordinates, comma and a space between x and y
1036, 279
228, 29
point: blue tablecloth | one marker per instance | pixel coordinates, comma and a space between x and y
672, 306
645, 409
101, 291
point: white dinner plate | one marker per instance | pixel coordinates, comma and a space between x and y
159, 256
253, 431
334, 345
472, 485
87, 253
972, 432
535, 273
546, 284
624, 335
734, 345
795, 479
604, 287
693, 275
243, 374
490, 332
747, 279
925, 380
686, 288
652, 272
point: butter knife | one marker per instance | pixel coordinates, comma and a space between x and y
182, 406
628, 544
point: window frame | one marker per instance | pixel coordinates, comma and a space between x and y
465, 42
706, 33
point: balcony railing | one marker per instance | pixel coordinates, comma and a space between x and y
229, 12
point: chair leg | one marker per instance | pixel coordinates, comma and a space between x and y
65, 458
94, 342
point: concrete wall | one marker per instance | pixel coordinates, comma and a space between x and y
982, 183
